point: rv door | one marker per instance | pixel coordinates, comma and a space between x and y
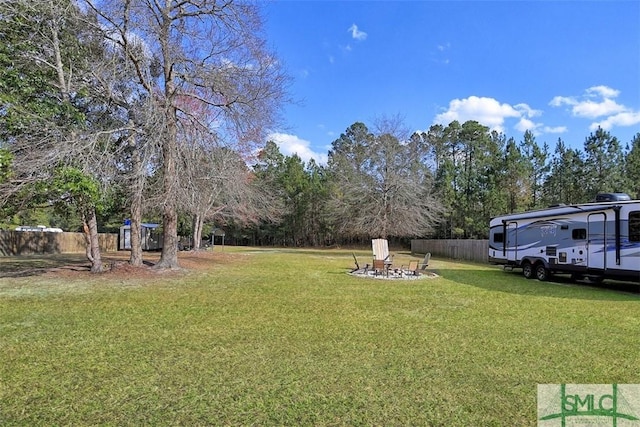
511, 242
597, 241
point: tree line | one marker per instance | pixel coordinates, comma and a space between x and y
446, 182
118, 109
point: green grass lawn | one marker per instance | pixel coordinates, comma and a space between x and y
286, 337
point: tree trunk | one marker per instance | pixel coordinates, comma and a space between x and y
197, 232
136, 224
96, 265
136, 205
90, 229
62, 84
169, 255
87, 239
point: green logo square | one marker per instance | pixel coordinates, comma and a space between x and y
565, 405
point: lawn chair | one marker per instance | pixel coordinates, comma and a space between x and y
381, 254
380, 267
380, 249
412, 269
355, 259
425, 262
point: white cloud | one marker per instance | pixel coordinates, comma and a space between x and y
559, 101
592, 110
356, 33
486, 111
599, 102
557, 129
603, 91
628, 118
527, 111
292, 144
585, 105
525, 124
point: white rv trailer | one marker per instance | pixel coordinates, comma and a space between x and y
593, 240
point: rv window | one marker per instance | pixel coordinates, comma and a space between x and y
498, 238
579, 234
634, 226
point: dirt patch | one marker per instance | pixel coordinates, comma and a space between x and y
116, 265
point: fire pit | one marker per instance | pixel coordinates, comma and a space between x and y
392, 274
382, 267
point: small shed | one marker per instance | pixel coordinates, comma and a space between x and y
150, 236
217, 232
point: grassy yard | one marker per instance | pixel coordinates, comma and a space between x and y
286, 337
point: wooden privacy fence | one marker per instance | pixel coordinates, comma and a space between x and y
38, 242
468, 250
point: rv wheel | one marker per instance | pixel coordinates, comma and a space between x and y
542, 273
527, 270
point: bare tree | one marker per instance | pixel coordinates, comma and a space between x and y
381, 185
217, 184
208, 52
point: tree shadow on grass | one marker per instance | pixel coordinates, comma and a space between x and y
559, 286
37, 265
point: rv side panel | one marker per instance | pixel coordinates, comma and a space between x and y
596, 240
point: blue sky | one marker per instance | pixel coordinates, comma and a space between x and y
557, 68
